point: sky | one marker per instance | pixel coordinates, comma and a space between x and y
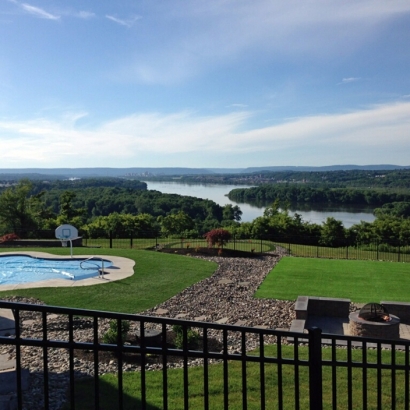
204, 84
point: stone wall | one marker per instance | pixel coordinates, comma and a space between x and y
378, 330
321, 306
329, 306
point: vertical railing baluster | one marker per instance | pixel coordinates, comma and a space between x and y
296, 371
120, 343
143, 364
244, 380
45, 362
185, 348
407, 379
364, 374
349, 376
71, 359
225, 369
262, 370
280, 372
334, 375
393, 376
315, 369
379, 375
16, 313
206, 369
96, 367
164, 368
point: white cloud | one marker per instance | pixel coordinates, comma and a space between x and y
36, 11
127, 22
374, 135
85, 14
219, 32
350, 80
237, 105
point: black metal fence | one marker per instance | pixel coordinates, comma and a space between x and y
395, 251
227, 367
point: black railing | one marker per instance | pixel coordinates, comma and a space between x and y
225, 367
395, 251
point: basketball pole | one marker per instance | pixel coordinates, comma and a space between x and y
71, 244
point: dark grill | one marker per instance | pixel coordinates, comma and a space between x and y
374, 312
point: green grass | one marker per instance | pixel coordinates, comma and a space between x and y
154, 383
157, 277
360, 281
239, 244
365, 253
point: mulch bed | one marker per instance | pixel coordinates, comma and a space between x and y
224, 253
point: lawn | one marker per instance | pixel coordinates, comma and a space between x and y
360, 281
157, 277
175, 393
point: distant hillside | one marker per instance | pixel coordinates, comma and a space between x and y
66, 173
385, 167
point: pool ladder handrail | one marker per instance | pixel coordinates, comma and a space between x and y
100, 270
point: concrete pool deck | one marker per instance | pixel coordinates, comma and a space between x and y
121, 268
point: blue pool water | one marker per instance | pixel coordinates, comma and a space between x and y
15, 269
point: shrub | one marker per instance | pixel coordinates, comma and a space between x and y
111, 336
8, 237
192, 336
219, 237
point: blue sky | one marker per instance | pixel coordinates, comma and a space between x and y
204, 83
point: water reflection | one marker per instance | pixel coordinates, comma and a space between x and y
218, 193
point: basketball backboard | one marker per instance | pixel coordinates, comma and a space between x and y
66, 232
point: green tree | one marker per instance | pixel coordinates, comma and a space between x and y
176, 224
69, 214
17, 208
231, 213
333, 233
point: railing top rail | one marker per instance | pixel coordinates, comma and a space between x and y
327, 338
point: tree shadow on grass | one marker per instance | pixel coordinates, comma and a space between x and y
108, 397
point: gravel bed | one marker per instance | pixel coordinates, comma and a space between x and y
227, 297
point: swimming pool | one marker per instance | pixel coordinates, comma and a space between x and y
16, 269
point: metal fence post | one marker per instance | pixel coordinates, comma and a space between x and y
315, 369
110, 239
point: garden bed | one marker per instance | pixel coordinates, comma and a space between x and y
204, 251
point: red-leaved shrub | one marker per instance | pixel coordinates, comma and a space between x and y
218, 237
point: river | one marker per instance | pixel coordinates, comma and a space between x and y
217, 193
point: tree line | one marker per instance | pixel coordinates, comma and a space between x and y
128, 208
307, 194
97, 206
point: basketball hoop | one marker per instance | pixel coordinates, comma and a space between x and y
66, 233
